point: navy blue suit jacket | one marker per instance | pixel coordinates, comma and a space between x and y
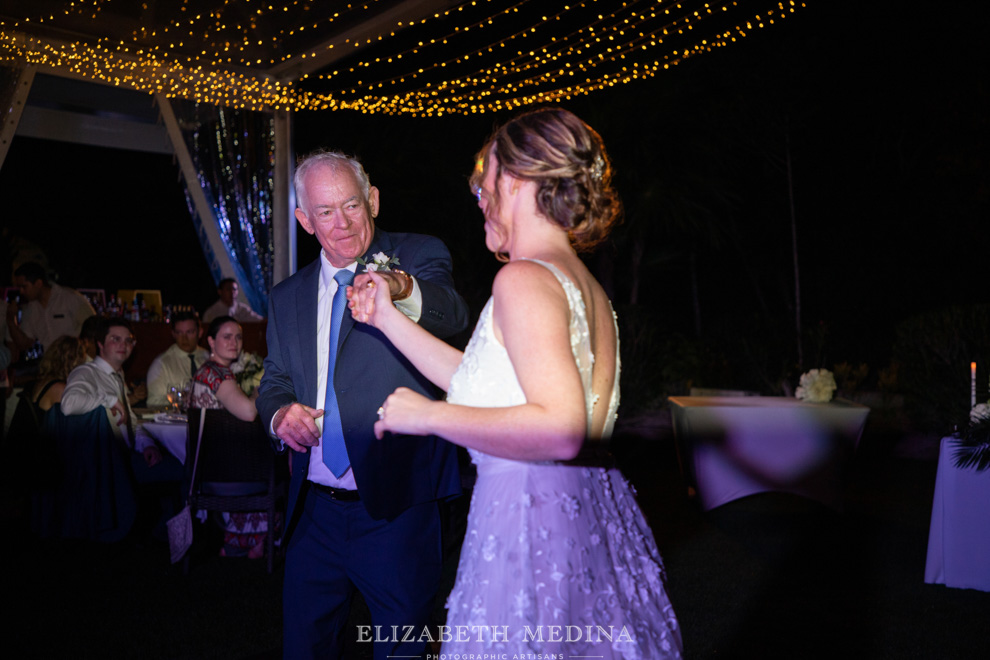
398, 471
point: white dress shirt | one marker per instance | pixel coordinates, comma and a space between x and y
411, 307
171, 369
241, 312
63, 315
95, 384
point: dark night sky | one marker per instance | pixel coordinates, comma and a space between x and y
886, 112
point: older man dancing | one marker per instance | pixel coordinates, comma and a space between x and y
362, 512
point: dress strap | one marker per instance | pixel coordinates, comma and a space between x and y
44, 389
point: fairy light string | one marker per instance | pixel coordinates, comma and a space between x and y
480, 56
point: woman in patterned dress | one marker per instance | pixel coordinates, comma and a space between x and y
215, 387
557, 559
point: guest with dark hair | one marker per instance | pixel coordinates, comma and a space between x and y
229, 305
90, 333
50, 310
102, 383
177, 365
215, 387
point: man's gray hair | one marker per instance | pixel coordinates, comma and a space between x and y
333, 160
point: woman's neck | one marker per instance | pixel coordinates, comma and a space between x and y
540, 240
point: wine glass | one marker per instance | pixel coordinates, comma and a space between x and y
185, 396
175, 397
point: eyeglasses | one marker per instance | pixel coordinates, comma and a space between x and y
477, 192
116, 339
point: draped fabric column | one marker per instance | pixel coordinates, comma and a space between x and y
234, 156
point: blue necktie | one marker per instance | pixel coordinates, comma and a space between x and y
334, 451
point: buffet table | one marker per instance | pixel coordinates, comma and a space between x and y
959, 536
731, 447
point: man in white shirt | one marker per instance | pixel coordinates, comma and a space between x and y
176, 366
101, 383
228, 305
49, 312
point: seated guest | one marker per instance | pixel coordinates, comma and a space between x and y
26, 426
49, 310
101, 383
228, 305
177, 366
64, 355
215, 387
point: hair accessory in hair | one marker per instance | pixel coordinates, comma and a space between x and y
598, 168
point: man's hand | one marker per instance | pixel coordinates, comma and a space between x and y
152, 456
395, 282
139, 393
295, 425
120, 412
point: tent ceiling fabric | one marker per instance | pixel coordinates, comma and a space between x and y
418, 57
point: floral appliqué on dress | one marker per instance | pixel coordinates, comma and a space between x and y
549, 545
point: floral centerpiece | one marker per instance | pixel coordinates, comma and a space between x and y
248, 370
816, 386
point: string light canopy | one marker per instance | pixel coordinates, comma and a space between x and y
414, 57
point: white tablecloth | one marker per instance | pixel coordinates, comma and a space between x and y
731, 447
172, 436
959, 537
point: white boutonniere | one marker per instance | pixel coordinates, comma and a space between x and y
379, 261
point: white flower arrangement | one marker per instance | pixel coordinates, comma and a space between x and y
379, 261
248, 370
979, 413
816, 386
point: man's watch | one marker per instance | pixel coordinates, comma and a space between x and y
407, 285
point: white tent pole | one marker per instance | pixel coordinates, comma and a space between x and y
17, 104
283, 200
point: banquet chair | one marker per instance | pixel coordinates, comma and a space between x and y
236, 470
93, 496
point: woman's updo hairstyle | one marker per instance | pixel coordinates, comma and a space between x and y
567, 159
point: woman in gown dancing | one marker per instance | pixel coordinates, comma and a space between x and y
557, 557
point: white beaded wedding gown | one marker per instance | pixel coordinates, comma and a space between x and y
557, 559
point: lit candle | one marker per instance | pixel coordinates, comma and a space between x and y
972, 384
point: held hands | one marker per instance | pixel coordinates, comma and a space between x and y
295, 425
370, 297
404, 411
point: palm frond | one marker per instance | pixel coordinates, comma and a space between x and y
973, 446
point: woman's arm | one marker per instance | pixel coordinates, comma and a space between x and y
234, 400
432, 357
532, 319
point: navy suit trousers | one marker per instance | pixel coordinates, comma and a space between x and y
337, 548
